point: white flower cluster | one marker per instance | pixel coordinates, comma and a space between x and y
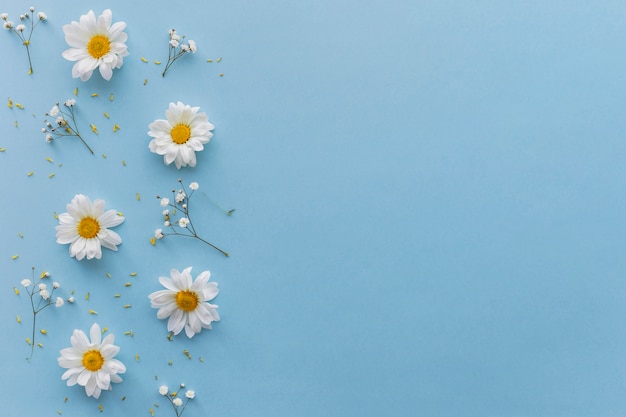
41, 296
175, 400
178, 48
64, 123
21, 29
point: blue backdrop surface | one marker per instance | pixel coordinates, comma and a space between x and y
429, 208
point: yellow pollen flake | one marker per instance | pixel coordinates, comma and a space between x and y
98, 46
88, 227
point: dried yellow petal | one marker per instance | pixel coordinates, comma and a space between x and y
93, 312
30, 174
94, 95
94, 129
153, 241
107, 115
128, 284
145, 81
127, 306
117, 295
87, 296
14, 257
49, 159
16, 291
76, 91
28, 341
104, 330
10, 103
111, 97
157, 62
116, 127
43, 331
123, 162
133, 274
3, 149
218, 59
19, 106
137, 357
144, 59
138, 196
51, 175
18, 318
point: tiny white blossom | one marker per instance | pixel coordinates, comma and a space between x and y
165, 202
25, 282
194, 186
20, 28
190, 394
185, 47
22, 17
44, 294
55, 285
31, 8
163, 390
174, 43
8, 24
183, 222
180, 196
167, 224
54, 111
4, 16
177, 402
193, 46
70, 300
60, 121
59, 302
158, 233
166, 212
184, 206
182, 385
70, 102
42, 16
49, 137
46, 274
42, 286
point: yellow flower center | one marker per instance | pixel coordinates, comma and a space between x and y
93, 360
88, 227
180, 133
98, 46
187, 300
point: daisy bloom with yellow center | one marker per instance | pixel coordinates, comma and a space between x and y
181, 135
186, 302
95, 43
85, 228
91, 364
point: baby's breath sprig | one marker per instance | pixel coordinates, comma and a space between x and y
173, 397
180, 203
20, 29
64, 123
178, 48
40, 298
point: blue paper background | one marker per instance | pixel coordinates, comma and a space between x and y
429, 208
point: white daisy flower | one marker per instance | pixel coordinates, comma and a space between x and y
164, 202
95, 43
177, 402
90, 363
180, 196
183, 133
70, 102
163, 390
42, 286
190, 394
20, 28
42, 16
186, 303
25, 282
70, 300
54, 111
85, 227
158, 233
56, 285
45, 294
194, 186
59, 302
183, 222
